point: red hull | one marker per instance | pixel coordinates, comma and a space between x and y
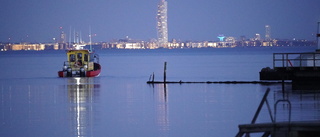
93, 73
61, 74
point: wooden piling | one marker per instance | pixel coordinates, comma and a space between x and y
165, 73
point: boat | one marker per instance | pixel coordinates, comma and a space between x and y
80, 63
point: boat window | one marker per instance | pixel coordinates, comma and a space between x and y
91, 57
72, 58
86, 57
79, 55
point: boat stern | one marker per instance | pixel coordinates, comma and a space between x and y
61, 74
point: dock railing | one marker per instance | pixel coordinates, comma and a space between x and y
275, 109
300, 61
266, 128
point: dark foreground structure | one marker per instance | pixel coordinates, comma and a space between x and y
279, 129
282, 129
302, 68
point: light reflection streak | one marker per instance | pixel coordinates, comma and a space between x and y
162, 108
81, 92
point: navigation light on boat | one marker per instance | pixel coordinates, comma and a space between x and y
64, 67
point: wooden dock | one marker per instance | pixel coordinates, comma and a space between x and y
282, 129
279, 129
302, 68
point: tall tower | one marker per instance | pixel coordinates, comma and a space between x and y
62, 39
318, 37
62, 36
257, 37
268, 33
162, 26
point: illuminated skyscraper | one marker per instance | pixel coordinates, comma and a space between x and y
257, 37
162, 26
268, 33
62, 37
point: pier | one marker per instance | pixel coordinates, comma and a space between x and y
279, 129
303, 69
282, 129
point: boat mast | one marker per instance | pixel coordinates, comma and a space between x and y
90, 38
69, 46
80, 37
74, 36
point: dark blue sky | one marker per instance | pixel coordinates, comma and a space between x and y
195, 20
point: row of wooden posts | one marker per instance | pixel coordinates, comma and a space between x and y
151, 80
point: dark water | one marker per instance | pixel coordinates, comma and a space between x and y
35, 102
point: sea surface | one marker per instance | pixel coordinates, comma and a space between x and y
34, 102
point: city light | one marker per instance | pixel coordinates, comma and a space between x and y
61, 42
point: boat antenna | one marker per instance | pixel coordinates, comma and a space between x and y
74, 35
80, 37
90, 38
69, 37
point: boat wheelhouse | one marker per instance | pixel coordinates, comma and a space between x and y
81, 63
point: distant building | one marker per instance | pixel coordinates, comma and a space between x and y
268, 33
162, 26
231, 41
257, 37
221, 37
62, 37
62, 40
26, 46
243, 38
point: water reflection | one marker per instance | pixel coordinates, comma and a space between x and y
305, 105
82, 93
162, 108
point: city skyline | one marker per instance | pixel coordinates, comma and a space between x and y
39, 21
